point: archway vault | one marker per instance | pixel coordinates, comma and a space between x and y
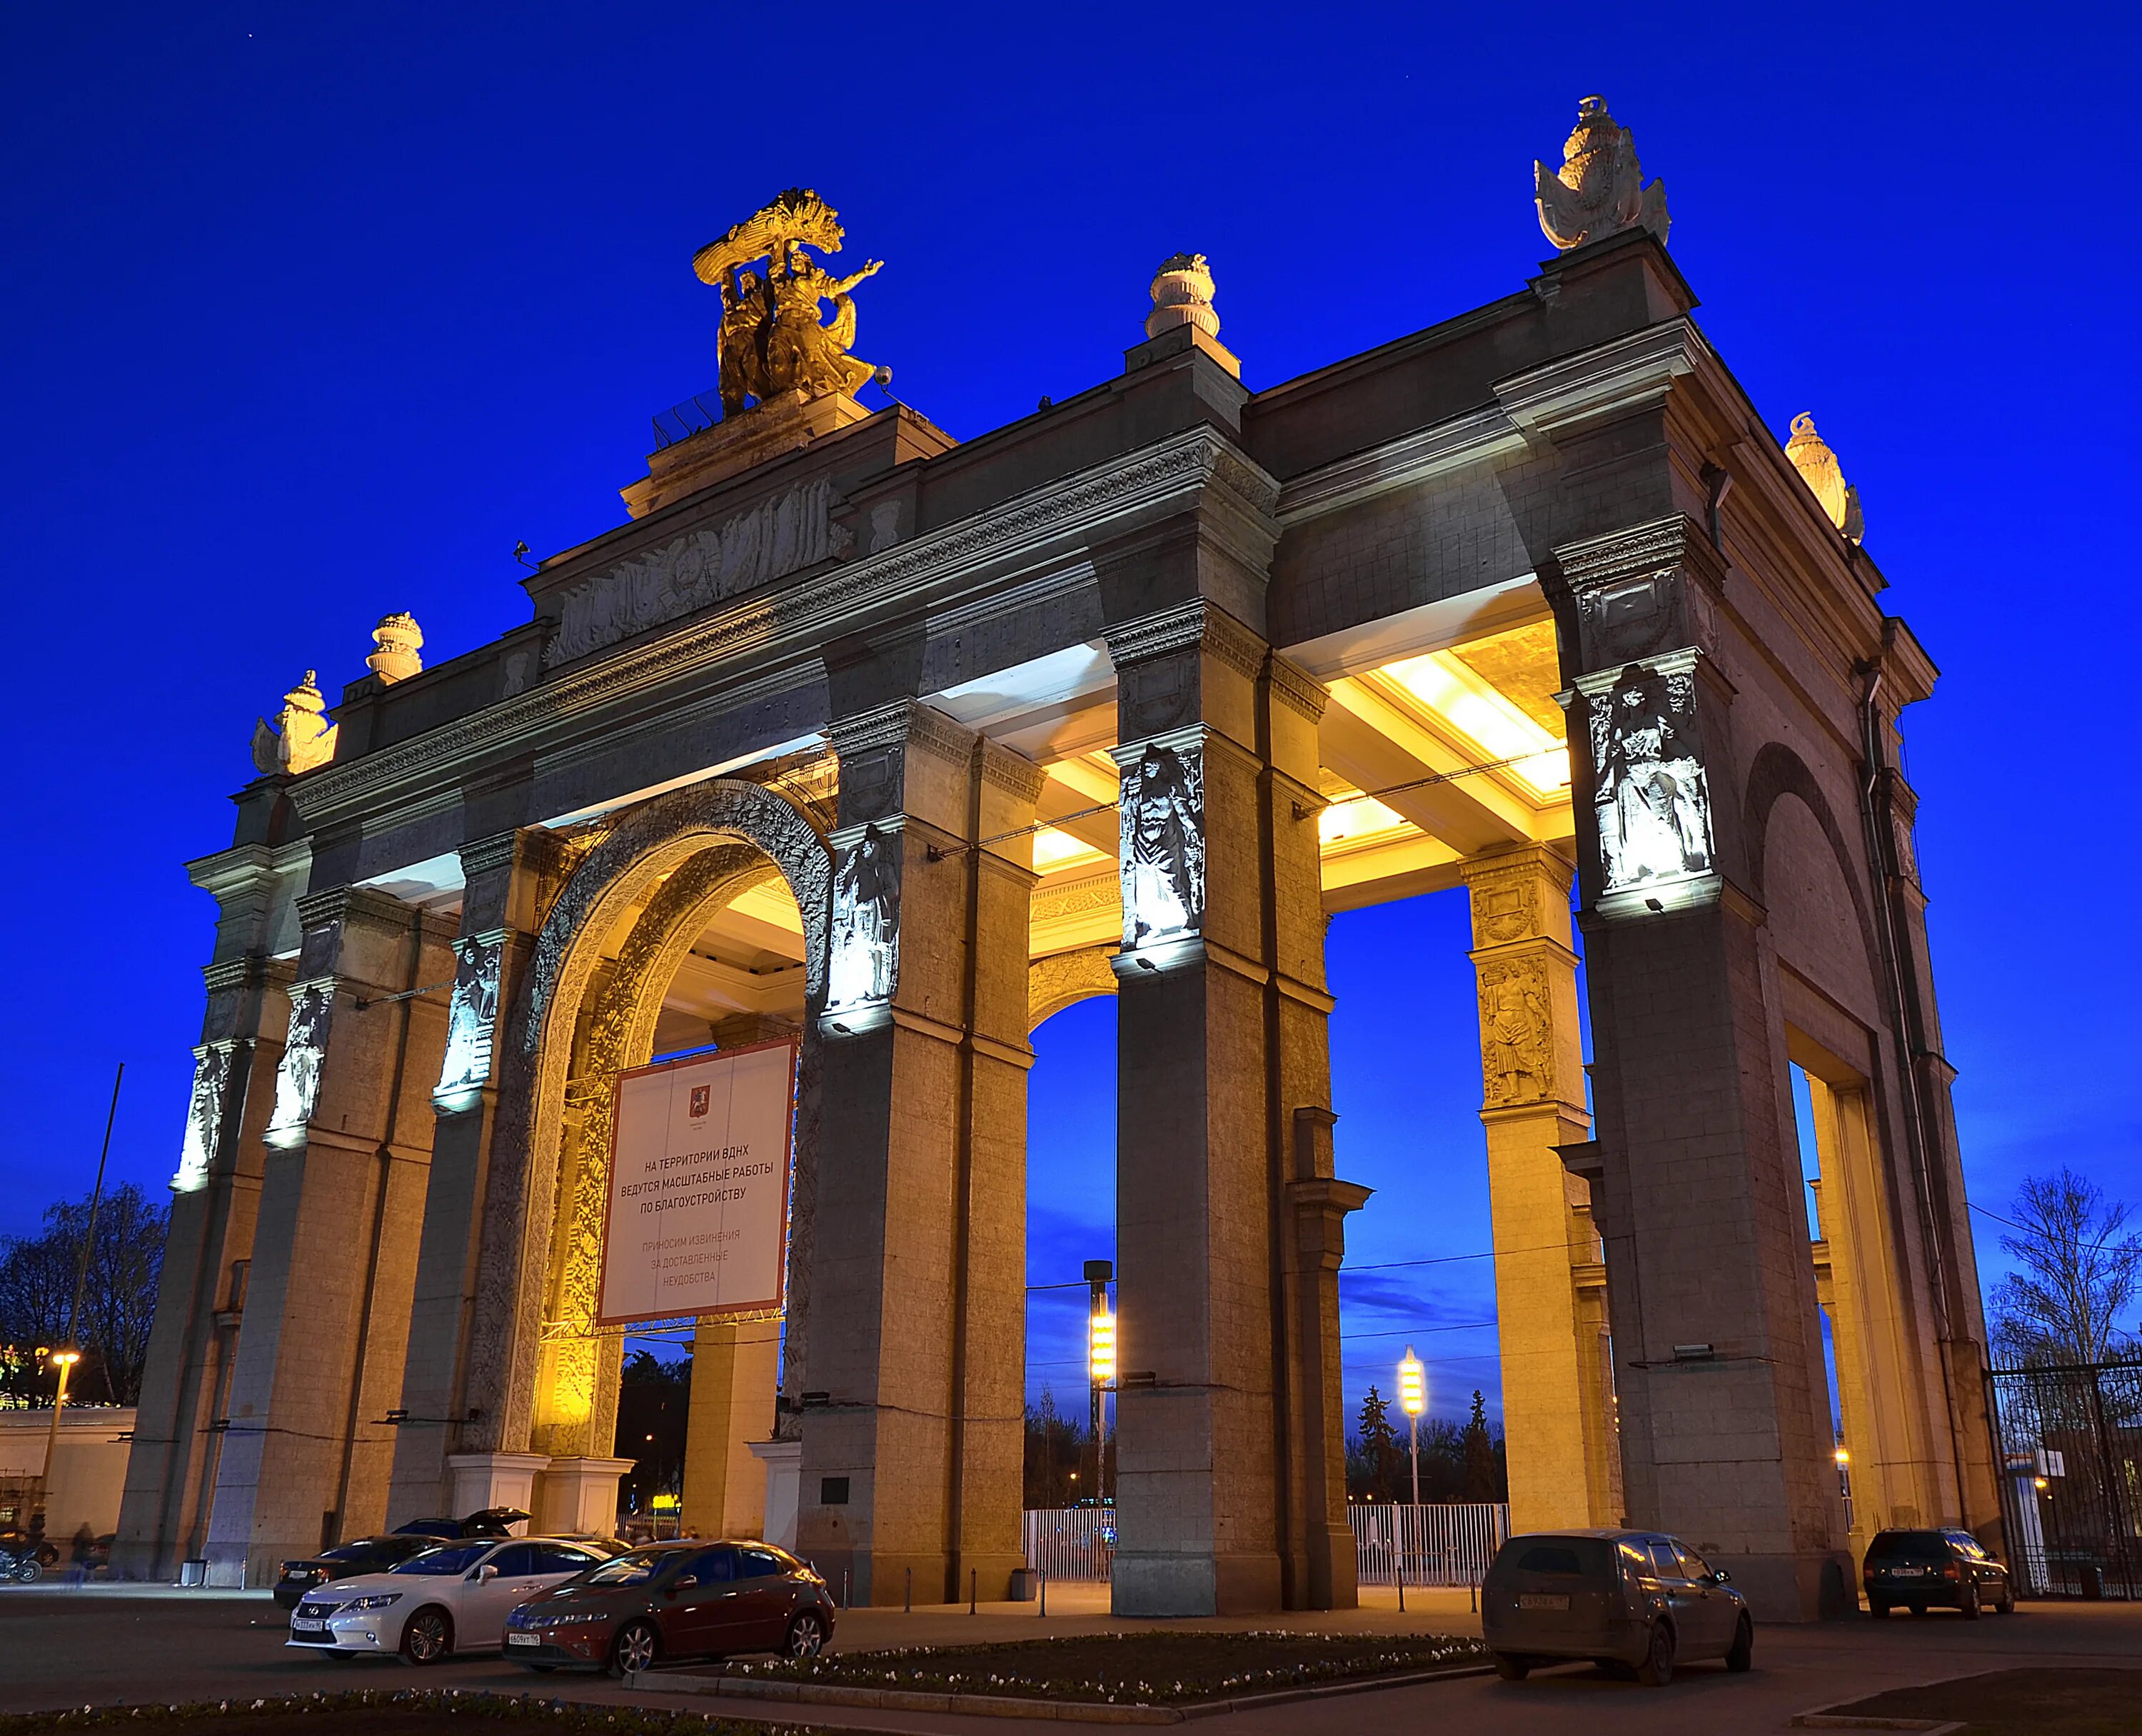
610, 943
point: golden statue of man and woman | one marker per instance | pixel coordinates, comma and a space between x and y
773, 338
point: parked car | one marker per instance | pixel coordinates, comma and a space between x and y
675, 1600
490, 1522
1920, 1569
364, 1555
1632, 1602
453, 1598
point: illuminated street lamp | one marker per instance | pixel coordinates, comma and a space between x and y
1413, 1400
64, 1360
1100, 1363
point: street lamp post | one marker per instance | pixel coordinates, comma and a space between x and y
1413, 1400
68, 1354
1100, 1362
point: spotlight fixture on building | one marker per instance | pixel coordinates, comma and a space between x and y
1413, 1400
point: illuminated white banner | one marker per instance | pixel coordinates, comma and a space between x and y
698, 1186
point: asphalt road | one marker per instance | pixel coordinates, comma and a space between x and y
61, 1647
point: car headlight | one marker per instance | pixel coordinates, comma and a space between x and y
379, 1601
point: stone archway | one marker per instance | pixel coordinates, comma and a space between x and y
1063, 979
541, 1380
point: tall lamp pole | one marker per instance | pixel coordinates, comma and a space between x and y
1100, 1362
1413, 1400
66, 1355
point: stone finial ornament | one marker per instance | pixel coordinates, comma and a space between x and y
401, 642
301, 738
772, 338
1599, 190
1819, 470
1183, 296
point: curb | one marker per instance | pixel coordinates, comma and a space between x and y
1870, 1721
1005, 1705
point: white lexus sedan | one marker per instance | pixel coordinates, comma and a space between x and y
452, 1599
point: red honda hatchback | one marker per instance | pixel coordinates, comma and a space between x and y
674, 1600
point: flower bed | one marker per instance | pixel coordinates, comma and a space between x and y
1159, 1668
415, 1712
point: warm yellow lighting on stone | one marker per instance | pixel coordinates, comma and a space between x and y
1351, 819
1819, 470
400, 643
1442, 685
1053, 849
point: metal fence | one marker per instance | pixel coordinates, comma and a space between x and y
1433, 1545
2071, 1443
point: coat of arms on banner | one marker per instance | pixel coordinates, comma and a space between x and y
699, 1100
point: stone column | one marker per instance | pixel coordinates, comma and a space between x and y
913, 1400
307, 1456
506, 879
171, 1469
1558, 1431
1224, 1502
1724, 1405
735, 1365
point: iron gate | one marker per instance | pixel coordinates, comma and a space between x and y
2071, 1445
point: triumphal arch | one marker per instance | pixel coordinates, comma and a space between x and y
897, 744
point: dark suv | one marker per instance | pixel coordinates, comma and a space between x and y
1920, 1569
366, 1554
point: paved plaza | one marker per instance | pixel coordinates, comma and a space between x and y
106, 1646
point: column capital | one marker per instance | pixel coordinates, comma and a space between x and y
1519, 895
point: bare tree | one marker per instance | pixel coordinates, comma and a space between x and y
37, 1278
2079, 1267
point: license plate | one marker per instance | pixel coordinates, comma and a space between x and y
309, 1627
1543, 1601
524, 1638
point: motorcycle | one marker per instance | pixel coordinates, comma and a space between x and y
25, 1562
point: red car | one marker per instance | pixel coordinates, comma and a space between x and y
675, 1600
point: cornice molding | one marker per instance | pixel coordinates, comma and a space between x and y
796, 610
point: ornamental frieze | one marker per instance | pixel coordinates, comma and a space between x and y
1516, 1032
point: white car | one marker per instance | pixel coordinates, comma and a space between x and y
455, 1598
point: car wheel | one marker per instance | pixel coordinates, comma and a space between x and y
634, 1648
1657, 1669
428, 1637
1967, 1605
806, 1635
1510, 1669
1742, 1654
2006, 1606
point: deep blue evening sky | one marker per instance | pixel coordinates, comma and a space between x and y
310, 313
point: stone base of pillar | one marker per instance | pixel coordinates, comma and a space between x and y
1818, 1587
985, 1574
579, 1496
480, 1480
783, 1460
1182, 1584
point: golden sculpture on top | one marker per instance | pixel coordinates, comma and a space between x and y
301, 738
774, 339
1824, 475
1599, 190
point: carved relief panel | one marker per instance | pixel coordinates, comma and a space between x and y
203, 1117
864, 969
472, 1014
1516, 1032
304, 1051
1650, 795
1162, 859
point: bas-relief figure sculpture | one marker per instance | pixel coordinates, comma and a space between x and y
204, 1119
471, 1015
779, 535
1819, 470
301, 738
1599, 191
774, 339
1517, 1053
298, 1077
1163, 846
1650, 792
866, 961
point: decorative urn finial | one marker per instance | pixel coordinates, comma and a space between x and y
1183, 296
1599, 190
401, 642
1824, 475
301, 738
